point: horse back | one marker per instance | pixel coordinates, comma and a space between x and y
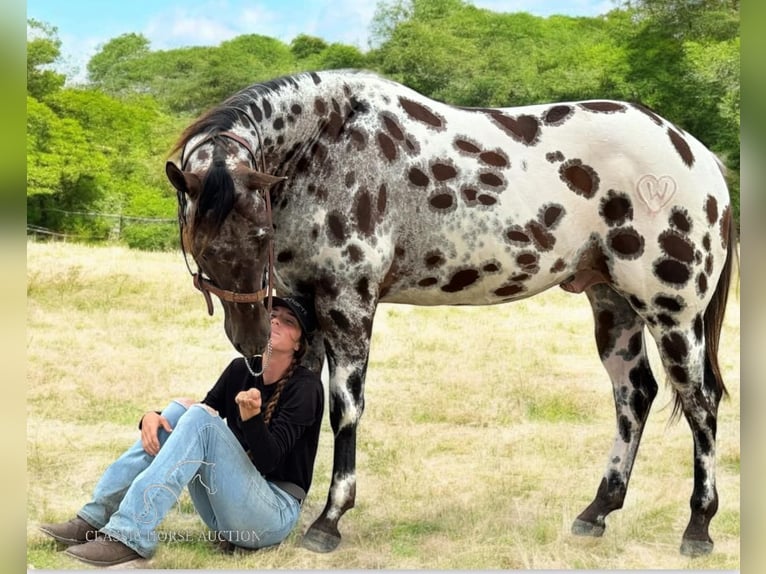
437, 204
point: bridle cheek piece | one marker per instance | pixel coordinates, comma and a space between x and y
207, 287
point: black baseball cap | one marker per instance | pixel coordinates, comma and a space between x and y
302, 308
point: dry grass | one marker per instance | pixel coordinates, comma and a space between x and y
485, 434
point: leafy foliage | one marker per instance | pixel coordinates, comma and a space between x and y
99, 148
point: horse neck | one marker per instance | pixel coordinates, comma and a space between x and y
289, 115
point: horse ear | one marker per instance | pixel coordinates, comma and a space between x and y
259, 180
184, 181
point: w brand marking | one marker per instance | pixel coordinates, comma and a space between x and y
656, 192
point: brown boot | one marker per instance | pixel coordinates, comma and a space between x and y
104, 551
75, 531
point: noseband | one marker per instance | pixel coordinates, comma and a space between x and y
205, 285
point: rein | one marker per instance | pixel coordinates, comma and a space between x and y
204, 284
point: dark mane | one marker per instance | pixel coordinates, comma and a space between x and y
217, 197
224, 115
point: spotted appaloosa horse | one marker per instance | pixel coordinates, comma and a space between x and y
375, 193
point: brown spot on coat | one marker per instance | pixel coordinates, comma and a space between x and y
256, 111
387, 146
676, 246
680, 220
523, 128
336, 231
626, 242
603, 107
493, 158
644, 110
393, 128
363, 210
358, 138
604, 327
702, 283
557, 115
355, 253
682, 147
267, 111
698, 327
466, 146
461, 280
516, 235
672, 272
509, 290
491, 179
363, 289
674, 346
616, 208
469, 194
284, 256
551, 215
544, 240
417, 177
678, 373
558, 266
672, 304
420, 113
443, 171
382, 199
442, 201
580, 178
528, 261
435, 259
554, 157
711, 208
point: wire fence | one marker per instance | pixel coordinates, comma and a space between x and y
120, 221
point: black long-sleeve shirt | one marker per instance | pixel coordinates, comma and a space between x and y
285, 449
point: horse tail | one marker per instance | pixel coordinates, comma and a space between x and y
713, 319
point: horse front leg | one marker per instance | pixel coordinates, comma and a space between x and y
621, 346
347, 345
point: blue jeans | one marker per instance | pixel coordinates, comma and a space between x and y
137, 490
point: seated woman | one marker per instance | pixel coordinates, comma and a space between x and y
247, 476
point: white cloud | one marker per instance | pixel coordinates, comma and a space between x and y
184, 27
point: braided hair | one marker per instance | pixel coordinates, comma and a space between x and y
274, 399
272, 404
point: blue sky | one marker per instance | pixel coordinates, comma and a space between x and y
84, 25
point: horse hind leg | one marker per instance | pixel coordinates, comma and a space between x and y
620, 341
698, 389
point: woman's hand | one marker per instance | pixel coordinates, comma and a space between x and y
150, 428
249, 403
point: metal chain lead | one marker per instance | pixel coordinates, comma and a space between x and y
264, 361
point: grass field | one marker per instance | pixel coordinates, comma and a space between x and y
486, 429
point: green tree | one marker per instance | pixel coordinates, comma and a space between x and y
62, 171
116, 67
304, 46
684, 62
43, 49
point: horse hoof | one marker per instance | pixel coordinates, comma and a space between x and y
582, 528
320, 541
696, 547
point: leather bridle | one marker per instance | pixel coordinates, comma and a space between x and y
204, 284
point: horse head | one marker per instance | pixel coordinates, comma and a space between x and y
225, 222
